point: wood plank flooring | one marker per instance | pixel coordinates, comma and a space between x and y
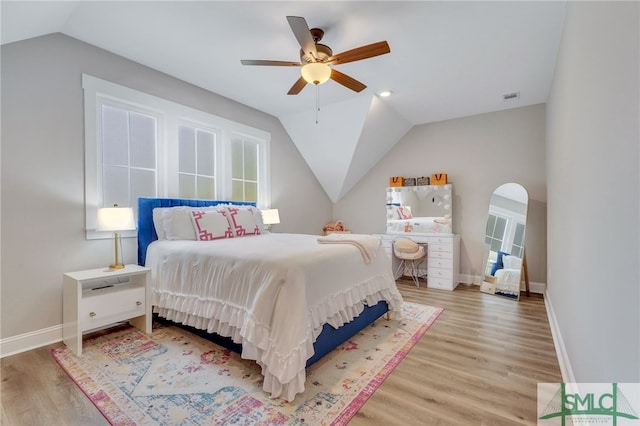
478, 364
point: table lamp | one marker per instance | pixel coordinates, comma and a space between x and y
270, 217
115, 219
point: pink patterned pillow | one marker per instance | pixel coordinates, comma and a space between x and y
404, 212
245, 220
211, 224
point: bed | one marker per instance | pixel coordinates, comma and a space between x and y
508, 276
292, 301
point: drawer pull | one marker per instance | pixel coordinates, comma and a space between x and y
138, 303
92, 314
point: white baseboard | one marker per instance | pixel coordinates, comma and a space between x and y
534, 287
32, 340
558, 343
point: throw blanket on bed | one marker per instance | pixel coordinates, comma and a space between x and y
367, 244
272, 293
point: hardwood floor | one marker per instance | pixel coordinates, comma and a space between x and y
478, 364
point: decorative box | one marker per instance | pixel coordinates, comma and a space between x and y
396, 181
439, 179
422, 180
409, 181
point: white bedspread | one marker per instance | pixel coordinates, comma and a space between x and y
272, 293
508, 281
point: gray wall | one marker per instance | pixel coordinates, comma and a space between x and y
479, 153
593, 138
42, 195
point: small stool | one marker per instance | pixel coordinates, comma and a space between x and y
411, 254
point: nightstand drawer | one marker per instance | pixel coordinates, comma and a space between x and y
108, 305
440, 263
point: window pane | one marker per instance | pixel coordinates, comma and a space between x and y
501, 224
250, 191
491, 224
142, 130
237, 171
206, 188
237, 190
115, 187
206, 153
186, 186
186, 149
115, 141
251, 161
519, 235
143, 184
496, 245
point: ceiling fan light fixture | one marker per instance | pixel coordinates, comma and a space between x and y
316, 72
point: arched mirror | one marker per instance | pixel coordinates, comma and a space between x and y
504, 262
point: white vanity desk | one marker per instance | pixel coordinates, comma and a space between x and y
442, 263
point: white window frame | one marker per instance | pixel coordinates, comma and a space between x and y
169, 116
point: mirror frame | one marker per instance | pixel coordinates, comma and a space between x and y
501, 198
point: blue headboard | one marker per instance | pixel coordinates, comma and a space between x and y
146, 230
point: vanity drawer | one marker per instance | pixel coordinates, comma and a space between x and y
439, 273
435, 262
440, 240
435, 248
440, 283
105, 306
431, 254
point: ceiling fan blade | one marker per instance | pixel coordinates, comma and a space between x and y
303, 35
297, 86
347, 81
270, 63
363, 52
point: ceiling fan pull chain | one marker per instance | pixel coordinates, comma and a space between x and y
317, 101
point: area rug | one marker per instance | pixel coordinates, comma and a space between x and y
173, 377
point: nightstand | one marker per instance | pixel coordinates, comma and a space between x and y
97, 298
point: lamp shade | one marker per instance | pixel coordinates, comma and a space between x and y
270, 216
115, 219
316, 72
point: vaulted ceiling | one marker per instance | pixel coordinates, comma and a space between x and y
447, 60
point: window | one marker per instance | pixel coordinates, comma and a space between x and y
244, 177
496, 227
141, 145
196, 163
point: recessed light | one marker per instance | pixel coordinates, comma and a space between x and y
385, 94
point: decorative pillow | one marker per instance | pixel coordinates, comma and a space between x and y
245, 220
511, 262
177, 225
498, 264
157, 222
211, 224
404, 212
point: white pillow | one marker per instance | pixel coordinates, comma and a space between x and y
211, 224
511, 262
245, 220
177, 224
157, 222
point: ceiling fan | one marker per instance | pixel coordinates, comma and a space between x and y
316, 59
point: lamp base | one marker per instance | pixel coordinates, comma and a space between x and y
116, 266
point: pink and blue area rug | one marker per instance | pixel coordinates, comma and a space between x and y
173, 377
